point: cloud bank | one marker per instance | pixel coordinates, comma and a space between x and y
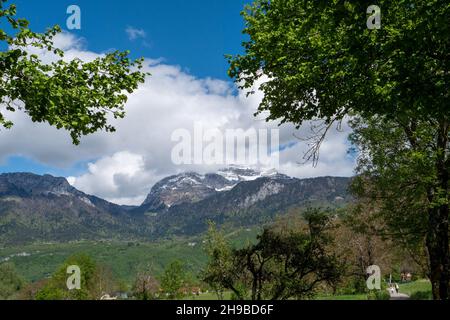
124, 165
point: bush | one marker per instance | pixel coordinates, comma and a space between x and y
378, 295
10, 281
422, 295
351, 285
96, 280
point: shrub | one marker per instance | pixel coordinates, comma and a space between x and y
378, 295
422, 295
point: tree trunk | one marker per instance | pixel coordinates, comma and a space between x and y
437, 236
260, 285
254, 287
437, 245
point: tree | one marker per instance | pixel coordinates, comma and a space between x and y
285, 264
146, 286
219, 273
318, 60
30, 291
74, 95
10, 281
95, 280
361, 241
173, 279
398, 180
103, 281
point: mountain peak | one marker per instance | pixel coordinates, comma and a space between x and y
239, 174
33, 184
191, 187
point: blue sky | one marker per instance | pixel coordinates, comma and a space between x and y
192, 34
184, 43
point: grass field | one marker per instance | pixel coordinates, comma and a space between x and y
39, 261
209, 296
420, 289
227, 296
36, 262
343, 297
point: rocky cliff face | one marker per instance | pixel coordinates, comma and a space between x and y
192, 187
184, 188
253, 202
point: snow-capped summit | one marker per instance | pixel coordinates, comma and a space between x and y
238, 174
184, 187
191, 187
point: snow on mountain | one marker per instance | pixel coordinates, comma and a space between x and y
191, 187
239, 174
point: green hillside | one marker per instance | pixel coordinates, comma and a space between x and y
39, 261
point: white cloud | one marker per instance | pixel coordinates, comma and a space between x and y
121, 178
125, 164
135, 33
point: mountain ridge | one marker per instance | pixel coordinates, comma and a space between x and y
46, 208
